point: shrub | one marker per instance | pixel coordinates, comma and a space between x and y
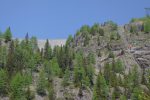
147, 26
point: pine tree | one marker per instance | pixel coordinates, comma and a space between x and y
51, 95
10, 66
136, 95
123, 97
41, 85
107, 73
91, 58
90, 74
118, 66
47, 51
135, 76
100, 89
55, 67
48, 70
79, 72
7, 35
17, 88
3, 82
27, 38
3, 56
66, 78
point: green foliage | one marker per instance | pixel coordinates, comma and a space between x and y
113, 25
79, 75
47, 51
123, 97
10, 59
3, 82
107, 72
55, 67
135, 76
114, 36
119, 66
89, 74
100, 89
3, 56
86, 81
7, 35
116, 92
85, 29
137, 94
34, 44
79, 72
78, 33
111, 54
42, 83
69, 40
91, 58
48, 70
133, 29
147, 26
17, 85
30, 95
51, 95
66, 78
86, 39
95, 29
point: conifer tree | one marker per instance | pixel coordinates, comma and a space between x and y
66, 78
107, 73
27, 38
100, 89
47, 51
10, 66
7, 35
41, 85
17, 87
3, 82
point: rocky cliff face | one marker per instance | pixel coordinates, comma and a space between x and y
53, 42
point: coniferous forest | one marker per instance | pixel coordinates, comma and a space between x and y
100, 62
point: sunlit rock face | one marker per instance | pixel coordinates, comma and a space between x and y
52, 42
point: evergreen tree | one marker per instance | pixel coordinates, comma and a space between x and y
66, 78
47, 51
55, 67
17, 88
91, 58
51, 95
3, 82
136, 95
27, 38
10, 66
95, 29
100, 89
98, 41
90, 74
123, 97
118, 66
7, 35
79, 72
107, 73
147, 26
34, 44
41, 85
135, 76
3, 56
48, 70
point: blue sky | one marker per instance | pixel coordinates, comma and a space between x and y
58, 18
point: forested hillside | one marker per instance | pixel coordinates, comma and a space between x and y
100, 62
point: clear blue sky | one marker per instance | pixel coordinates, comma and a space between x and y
59, 18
